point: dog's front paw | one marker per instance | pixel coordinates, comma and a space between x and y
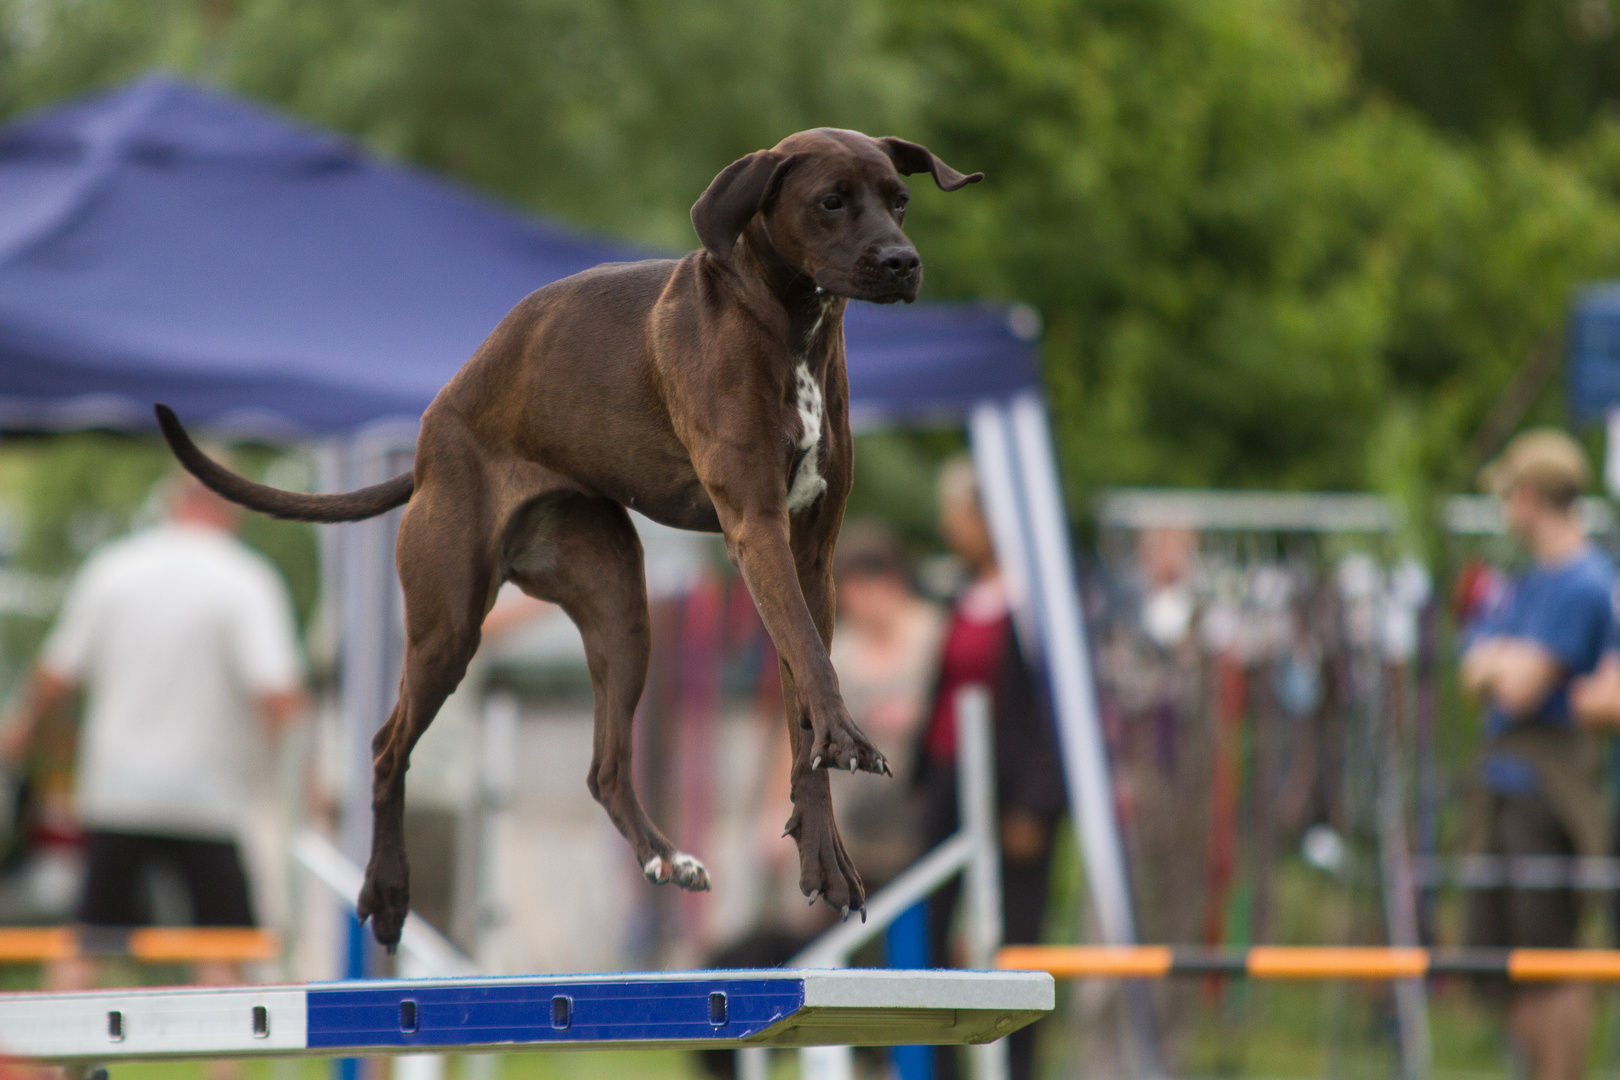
680, 868
825, 870
385, 899
842, 745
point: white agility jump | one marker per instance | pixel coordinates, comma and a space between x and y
693, 1009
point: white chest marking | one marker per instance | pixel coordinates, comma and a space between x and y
806, 482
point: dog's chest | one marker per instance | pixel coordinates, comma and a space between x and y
805, 482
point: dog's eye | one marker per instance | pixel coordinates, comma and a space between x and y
832, 202
900, 204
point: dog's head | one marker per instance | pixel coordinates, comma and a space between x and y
831, 203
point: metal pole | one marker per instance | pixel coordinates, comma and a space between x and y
753, 1063
373, 632
993, 462
975, 850
976, 808
1400, 892
1068, 666
498, 790
1074, 699
373, 643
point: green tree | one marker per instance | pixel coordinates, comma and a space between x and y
1249, 272
1478, 67
1256, 265
614, 115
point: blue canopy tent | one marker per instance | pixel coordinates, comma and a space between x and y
1594, 367
166, 242
1594, 352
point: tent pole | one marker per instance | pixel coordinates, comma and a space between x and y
991, 442
1069, 670
372, 650
1013, 448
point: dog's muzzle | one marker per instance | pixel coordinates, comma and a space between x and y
895, 274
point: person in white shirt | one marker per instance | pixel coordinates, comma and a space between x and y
182, 640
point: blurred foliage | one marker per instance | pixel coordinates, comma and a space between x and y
1281, 243
1261, 278
1481, 66
614, 115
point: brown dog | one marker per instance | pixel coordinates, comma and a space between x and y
707, 393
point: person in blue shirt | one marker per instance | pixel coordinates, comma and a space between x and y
1539, 788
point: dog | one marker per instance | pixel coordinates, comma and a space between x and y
708, 393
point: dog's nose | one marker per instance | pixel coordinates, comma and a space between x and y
901, 261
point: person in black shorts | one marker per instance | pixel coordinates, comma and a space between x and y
120, 865
181, 639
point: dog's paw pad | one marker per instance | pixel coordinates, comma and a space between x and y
682, 869
690, 874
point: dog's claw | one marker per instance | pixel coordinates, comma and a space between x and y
844, 912
863, 914
853, 764
815, 894
816, 764
393, 947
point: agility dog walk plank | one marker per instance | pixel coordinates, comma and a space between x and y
867, 1007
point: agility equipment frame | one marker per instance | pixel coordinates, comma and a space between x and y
1375, 963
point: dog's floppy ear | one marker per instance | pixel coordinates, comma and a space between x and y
743, 188
910, 157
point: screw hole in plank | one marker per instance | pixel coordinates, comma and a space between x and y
115, 1025
261, 1022
562, 1012
407, 1017
717, 1009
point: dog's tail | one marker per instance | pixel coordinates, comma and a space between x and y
291, 505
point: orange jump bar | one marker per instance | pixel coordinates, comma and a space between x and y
150, 944
1309, 962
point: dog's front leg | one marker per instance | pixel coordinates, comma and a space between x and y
792, 588
759, 546
825, 868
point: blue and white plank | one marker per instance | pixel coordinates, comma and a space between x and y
633, 1010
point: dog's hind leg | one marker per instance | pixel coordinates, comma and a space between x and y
447, 572
585, 556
